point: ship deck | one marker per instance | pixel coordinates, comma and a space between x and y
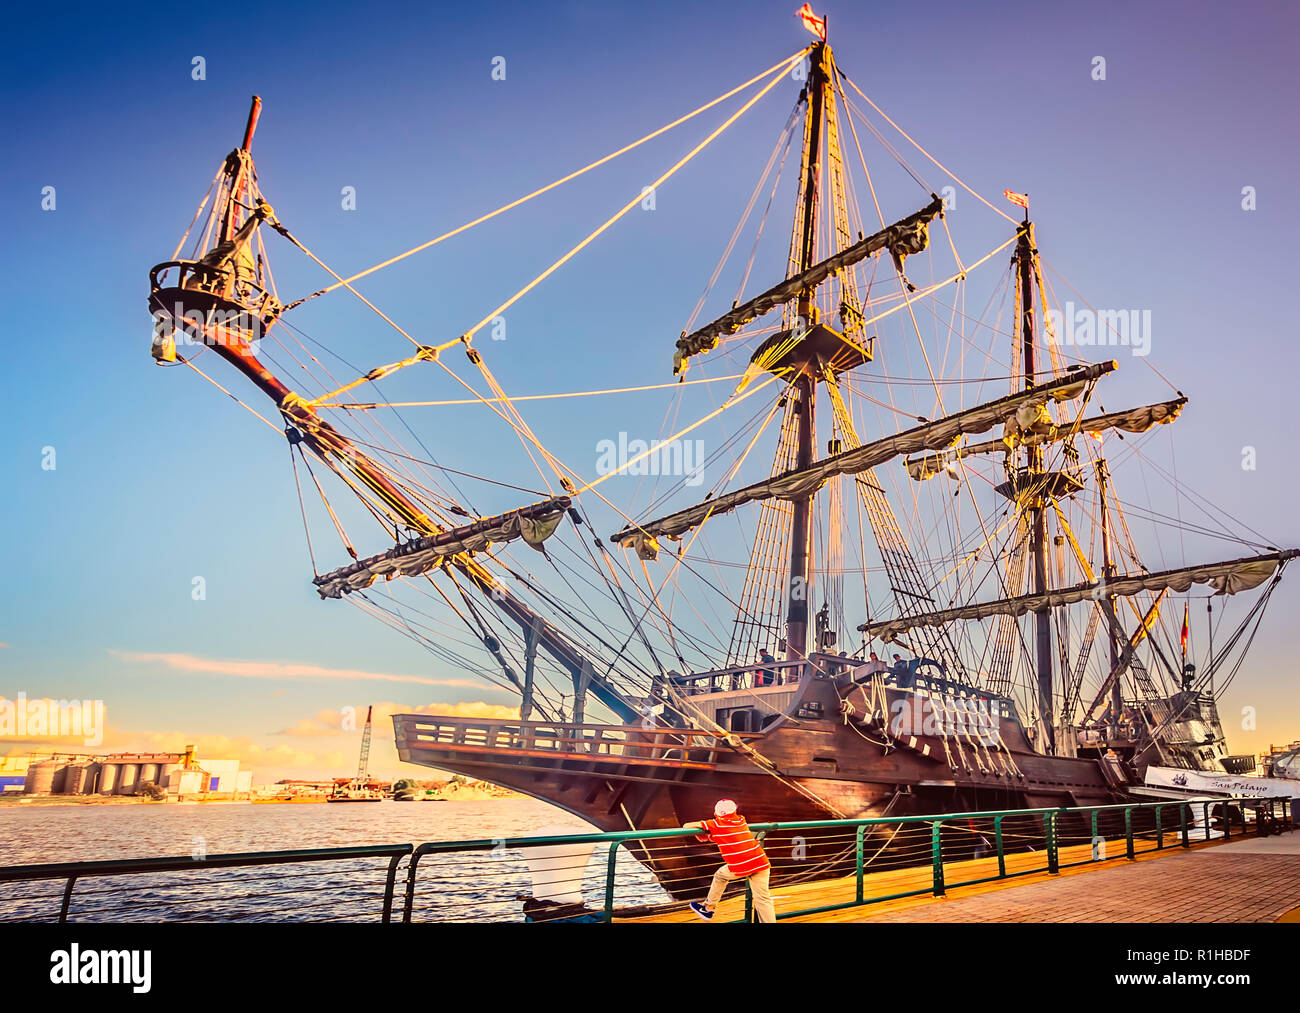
1252, 880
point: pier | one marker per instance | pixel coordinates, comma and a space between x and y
1217, 860
1252, 880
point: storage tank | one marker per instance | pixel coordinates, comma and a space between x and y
108, 775
148, 773
40, 777
126, 778
165, 772
73, 774
90, 778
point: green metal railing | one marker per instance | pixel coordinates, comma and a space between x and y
193, 867
927, 854
1099, 818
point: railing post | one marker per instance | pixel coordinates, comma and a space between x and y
1207, 820
1182, 824
1160, 826
609, 882
408, 901
1093, 842
389, 885
1001, 845
858, 844
936, 857
1128, 832
67, 900
749, 893
1227, 820
1053, 855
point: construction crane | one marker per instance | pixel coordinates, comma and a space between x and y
363, 774
359, 790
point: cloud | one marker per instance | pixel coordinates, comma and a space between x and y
260, 759
284, 670
330, 722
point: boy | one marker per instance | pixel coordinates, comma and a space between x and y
745, 859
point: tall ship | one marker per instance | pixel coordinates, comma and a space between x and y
904, 580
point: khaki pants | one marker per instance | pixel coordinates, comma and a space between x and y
763, 907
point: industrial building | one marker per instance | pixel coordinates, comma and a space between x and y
13, 772
176, 775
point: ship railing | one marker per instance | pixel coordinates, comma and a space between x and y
760, 675
229, 295
819, 866
737, 677
632, 742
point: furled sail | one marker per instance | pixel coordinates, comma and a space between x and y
1134, 420
534, 524
1227, 577
904, 237
801, 483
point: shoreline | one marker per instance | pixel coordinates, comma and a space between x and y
46, 802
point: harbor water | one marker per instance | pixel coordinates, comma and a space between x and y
477, 886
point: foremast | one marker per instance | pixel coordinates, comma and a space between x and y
225, 286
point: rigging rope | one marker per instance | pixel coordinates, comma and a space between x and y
918, 147
782, 66
359, 406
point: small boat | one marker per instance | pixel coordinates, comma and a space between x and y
355, 791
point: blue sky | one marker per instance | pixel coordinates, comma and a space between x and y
1136, 184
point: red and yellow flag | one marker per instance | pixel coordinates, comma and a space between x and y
1020, 200
1186, 617
812, 22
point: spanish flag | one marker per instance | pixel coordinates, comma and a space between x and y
1020, 200
1185, 630
812, 22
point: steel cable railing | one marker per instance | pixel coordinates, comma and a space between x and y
817, 866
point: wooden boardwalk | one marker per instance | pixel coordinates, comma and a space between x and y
1257, 879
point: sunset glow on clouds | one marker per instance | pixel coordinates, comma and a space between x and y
283, 670
321, 746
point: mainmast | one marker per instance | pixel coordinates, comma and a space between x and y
1031, 491
805, 384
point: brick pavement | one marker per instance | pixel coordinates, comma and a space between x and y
1253, 881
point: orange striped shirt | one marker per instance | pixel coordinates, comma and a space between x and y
740, 850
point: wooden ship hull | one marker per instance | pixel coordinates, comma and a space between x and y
627, 777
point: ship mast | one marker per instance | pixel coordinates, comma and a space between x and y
1108, 604
1031, 491
213, 288
805, 384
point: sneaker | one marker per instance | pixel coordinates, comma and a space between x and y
701, 911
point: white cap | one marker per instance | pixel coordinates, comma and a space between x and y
725, 807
